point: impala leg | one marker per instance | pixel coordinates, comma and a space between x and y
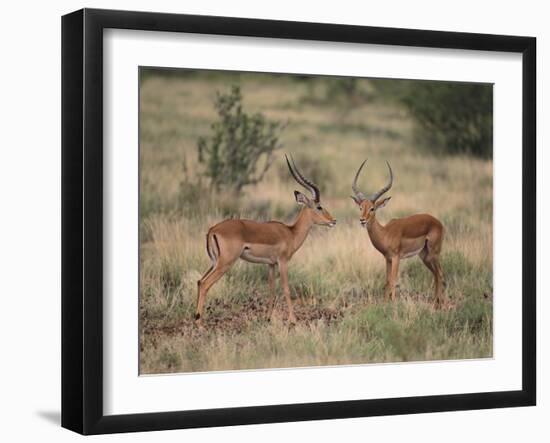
426, 259
439, 298
283, 270
394, 274
272, 294
432, 263
203, 285
206, 274
387, 286
206, 282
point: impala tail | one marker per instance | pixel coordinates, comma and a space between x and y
212, 247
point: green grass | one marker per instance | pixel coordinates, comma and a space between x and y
337, 277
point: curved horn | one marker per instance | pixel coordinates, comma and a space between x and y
358, 194
309, 185
386, 188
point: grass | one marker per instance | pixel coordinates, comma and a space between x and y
336, 277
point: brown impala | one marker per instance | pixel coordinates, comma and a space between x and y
419, 234
271, 243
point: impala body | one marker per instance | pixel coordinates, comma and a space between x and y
271, 243
420, 234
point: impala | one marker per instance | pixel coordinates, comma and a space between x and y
419, 234
271, 243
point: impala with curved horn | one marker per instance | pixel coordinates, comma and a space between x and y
420, 234
271, 243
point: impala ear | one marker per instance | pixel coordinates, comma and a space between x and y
355, 199
381, 203
301, 199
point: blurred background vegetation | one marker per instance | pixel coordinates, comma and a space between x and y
450, 117
211, 147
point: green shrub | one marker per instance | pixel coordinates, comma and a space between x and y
240, 149
451, 117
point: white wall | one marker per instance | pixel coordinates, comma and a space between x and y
30, 218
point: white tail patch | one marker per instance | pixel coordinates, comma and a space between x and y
212, 248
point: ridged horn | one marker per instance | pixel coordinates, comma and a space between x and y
308, 184
386, 188
359, 196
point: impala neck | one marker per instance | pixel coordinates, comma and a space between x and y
376, 234
301, 227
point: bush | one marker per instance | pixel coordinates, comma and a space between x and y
452, 117
239, 143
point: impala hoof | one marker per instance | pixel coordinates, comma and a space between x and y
198, 320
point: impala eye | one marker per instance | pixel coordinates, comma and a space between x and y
319, 208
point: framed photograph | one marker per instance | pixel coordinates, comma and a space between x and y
269, 221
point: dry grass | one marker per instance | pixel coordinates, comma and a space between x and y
337, 276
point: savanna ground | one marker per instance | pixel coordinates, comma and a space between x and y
337, 277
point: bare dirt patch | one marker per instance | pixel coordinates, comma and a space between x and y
229, 318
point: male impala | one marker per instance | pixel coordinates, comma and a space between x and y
419, 234
271, 243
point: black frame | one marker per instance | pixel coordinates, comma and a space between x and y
82, 219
